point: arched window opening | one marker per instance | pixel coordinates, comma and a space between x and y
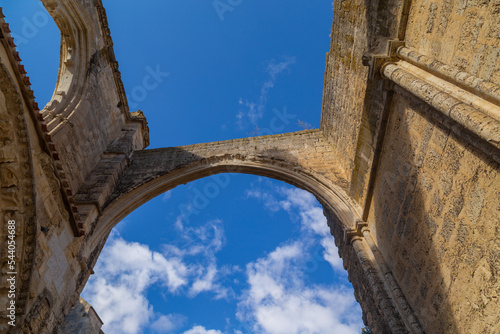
38, 43
229, 253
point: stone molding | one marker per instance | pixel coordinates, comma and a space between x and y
470, 112
485, 89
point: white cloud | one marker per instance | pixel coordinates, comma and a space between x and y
202, 330
278, 302
204, 283
261, 274
124, 273
204, 240
121, 309
270, 202
126, 270
199, 246
331, 254
278, 299
312, 219
297, 198
137, 265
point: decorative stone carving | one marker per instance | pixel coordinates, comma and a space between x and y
16, 196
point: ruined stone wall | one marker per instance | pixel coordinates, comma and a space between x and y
435, 211
428, 184
89, 103
31, 196
43, 158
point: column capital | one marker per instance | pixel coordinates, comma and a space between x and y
385, 51
356, 232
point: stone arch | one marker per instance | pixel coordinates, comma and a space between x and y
152, 172
283, 157
340, 212
332, 197
222, 234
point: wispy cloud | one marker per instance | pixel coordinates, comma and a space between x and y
198, 246
205, 239
167, 323
252, 111
313, 220
166, 196
269, 200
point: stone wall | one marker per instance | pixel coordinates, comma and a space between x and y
435, 216
464, 34
40, 169
31, 196
435, 210
352, 106
17, 198
428, 184
89, 103
342, 103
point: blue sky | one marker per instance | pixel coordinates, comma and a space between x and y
254, 256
